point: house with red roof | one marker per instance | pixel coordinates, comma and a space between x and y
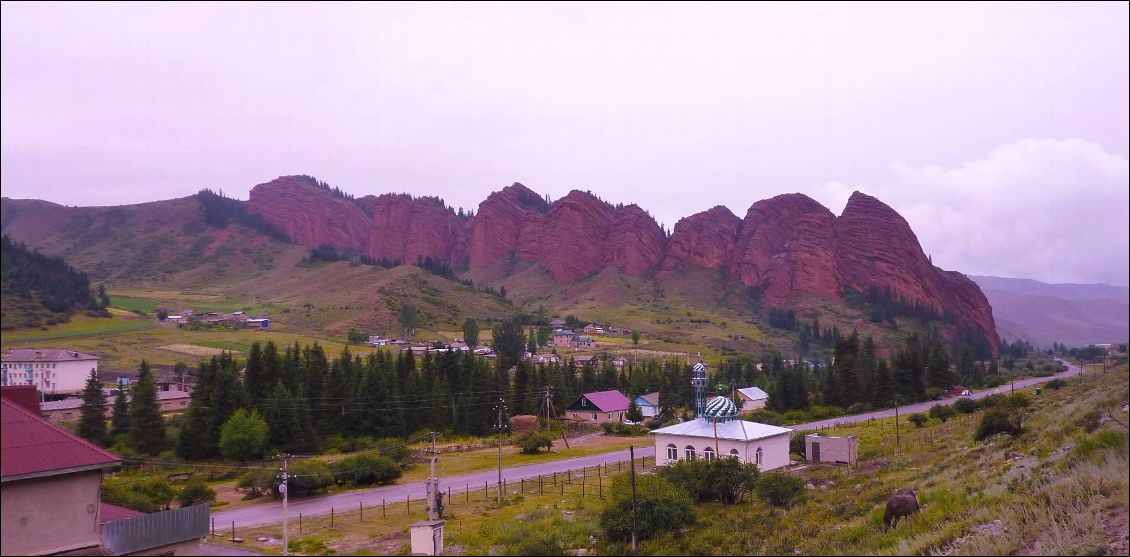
50, 483
599, 407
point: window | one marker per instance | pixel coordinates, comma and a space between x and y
734, 454
594, 417
690, 452
584, 402
672, 452
708, 453
757, 457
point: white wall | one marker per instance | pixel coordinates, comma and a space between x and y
774, 450
52, 377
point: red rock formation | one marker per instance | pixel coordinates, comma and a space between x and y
409, 229
309, 214
786, 245
576, 228
635, 242
878, 248
508, 221
704, 239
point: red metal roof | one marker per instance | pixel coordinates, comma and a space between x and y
111, 513
608, 401
32, 447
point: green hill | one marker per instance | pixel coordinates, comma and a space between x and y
40, 290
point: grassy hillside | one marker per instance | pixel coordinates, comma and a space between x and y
38, 290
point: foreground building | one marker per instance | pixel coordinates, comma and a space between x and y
51, 483
717, 432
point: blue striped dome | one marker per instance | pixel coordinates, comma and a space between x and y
699, 368
720, 409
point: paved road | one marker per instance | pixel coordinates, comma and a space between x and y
270, 513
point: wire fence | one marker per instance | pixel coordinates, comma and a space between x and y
586, 482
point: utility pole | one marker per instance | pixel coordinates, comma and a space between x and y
898, 443
498, 424
283, 490
433, 483
635, 525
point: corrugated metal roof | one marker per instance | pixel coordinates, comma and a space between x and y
44, 355
754, 393
608, 401
651, 398
30, 446
73, 403
738, 430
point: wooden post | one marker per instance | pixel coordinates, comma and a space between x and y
618, 466
467, 492
408, 503
541, 486
583, 486
331, 518
299, 524
599, 487
213, 528
233, 531
361, 511
383, 514
555, 478
522, 485
562, 484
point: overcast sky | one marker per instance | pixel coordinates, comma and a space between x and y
998, 130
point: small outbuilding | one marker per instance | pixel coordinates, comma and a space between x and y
837, 450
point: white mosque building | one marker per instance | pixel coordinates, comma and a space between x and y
717, 432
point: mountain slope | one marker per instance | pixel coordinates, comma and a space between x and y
1072, 314
574, 254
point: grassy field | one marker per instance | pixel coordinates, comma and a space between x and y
1059, 488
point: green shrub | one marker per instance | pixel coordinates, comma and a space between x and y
259, 482
196, 492
309, 476
993, 381
1055, 384
942, 412
966, 405
780, 490
660, 508
1085, 446
532, 441
607, 427
721, 479
918, 419
857, 408
796, 442
934, 393
1089, 421
365, 469
148, 495
393, 449
996, 421
765, 416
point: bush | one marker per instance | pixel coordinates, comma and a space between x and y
1056, 384
918, 419
309, 476
652, 424
994, 401
796, 442
993, 381
780, 490
259, 482
857, 408
1106, 439
1089, 421
660, 508
244, 435
607, 427
934, 393
721, 479
365, 470
147, 495
996, 421
196, 492
532, 441
942, 412
966, 405
765, 416
393, 449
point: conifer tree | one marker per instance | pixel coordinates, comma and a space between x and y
92, 424
119, 421
146, 425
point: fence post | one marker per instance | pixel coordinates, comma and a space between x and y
331, 518
522, 485
299, 524
562, 484
541, 486
467, 492
213, 528
233, 531
408, 503
383, 515
583, 486
599, 487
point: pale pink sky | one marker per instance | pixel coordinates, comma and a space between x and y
999, 130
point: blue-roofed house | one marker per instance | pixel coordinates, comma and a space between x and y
648, 404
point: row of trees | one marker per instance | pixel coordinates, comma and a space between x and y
57, 286
136, 422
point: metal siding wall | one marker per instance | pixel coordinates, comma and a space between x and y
157, 529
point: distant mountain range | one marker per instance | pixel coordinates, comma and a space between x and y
1072, 314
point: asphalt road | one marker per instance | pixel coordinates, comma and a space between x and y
270, 513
